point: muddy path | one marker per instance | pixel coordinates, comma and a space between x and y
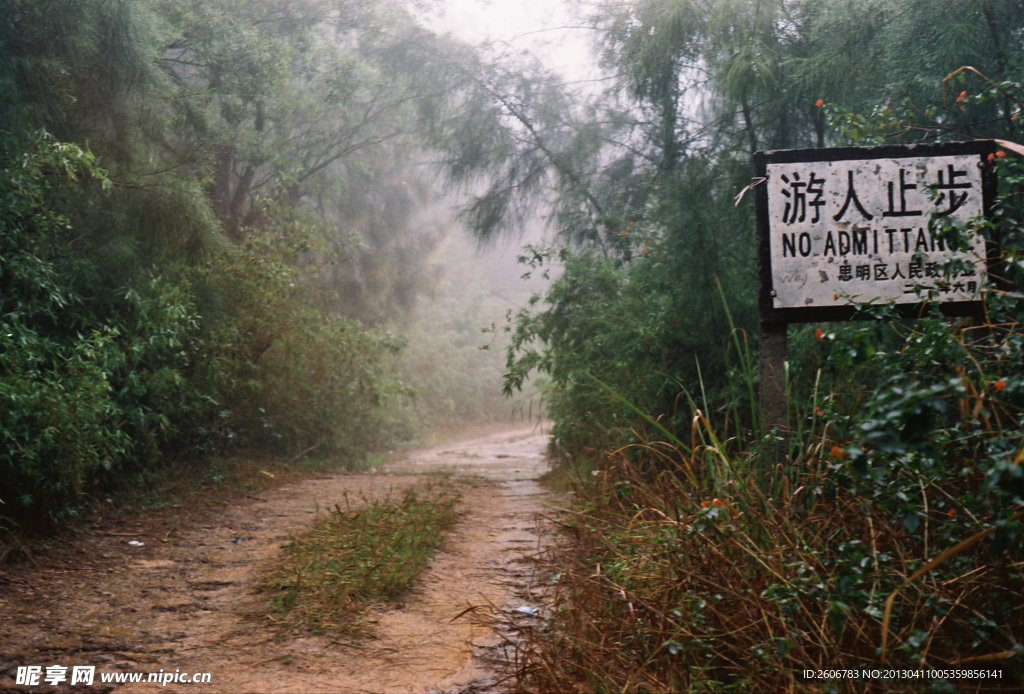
152, 597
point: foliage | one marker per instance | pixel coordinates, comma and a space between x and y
308, 128
891, 533
86, 393
214, 285
640, 320
891, 537
601, 323
697, 88
96, 391
357, 556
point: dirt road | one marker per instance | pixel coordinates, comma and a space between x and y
150, 600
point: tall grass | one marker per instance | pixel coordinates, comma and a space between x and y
889, 532
891, 538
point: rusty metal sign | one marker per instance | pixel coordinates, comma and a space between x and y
847, 226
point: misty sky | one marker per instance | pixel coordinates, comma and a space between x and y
545, 28
548, 30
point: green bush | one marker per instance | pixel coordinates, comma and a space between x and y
100, 386
84, 394
890, 536
54, 391
629, 327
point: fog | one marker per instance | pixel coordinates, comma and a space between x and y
552, 33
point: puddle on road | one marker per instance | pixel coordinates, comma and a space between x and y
504, 457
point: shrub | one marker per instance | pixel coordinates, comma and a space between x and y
892, 537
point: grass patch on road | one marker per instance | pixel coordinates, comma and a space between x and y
357, 556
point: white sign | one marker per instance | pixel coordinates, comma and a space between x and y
852, 231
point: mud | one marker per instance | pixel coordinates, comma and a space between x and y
184, 599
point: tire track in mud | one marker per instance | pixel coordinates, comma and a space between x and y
185, 599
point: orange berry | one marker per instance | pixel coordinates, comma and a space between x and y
1000, 384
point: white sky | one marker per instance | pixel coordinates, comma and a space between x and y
542, 27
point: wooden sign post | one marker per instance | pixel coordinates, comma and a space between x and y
846, 226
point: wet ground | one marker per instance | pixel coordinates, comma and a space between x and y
152, 596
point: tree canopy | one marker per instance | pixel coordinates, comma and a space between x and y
643, 180
213, 213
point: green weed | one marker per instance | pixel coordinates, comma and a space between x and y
891, 537
889, 533
359, 555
